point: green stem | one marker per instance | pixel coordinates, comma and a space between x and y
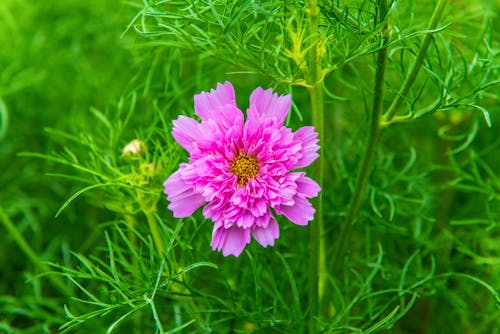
317, 269
30, 253
376, 127
131, 223
155, 232
374, 131
412, 75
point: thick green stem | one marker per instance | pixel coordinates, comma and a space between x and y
412, 75
148, 202
374, 131
317, 269
376, 127
317, 273
155, 232
30, 253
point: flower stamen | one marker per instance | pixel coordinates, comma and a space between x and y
245, 167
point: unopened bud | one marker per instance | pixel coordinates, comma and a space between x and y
135, 147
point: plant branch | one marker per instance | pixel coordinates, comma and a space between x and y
412, 75
374, 131
155, 232
317, 269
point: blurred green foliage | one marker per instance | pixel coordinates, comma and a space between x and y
80, 80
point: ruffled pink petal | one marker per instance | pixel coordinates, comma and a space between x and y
268, 105
245, 219
231, 241
301, 213
288, 188
211, 211
266, 235
259, 207
219, 104
218, 235
186, 132
307, 187
309, 139
183, 200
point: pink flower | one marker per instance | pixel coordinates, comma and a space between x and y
242, 169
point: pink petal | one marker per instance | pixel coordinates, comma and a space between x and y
236, 240
309, 139
218, 235
211, 211
231, 241
186, 206
307, 187
300, 213
219, 104
183, 200
259, 207
288, 188
266, 236
269, 105
245, 219
186, 132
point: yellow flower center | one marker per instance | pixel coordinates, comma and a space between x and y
244, 167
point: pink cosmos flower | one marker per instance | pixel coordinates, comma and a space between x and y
242, 168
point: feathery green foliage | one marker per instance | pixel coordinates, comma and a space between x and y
405, 94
